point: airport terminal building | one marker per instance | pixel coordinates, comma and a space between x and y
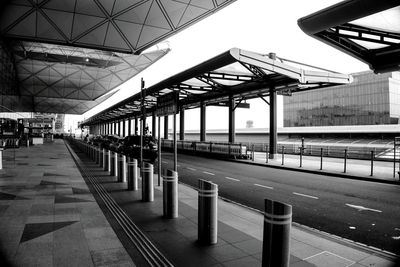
372, 99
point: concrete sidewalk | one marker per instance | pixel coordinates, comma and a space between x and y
239, 236
357, 169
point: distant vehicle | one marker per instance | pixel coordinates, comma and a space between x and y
130, 146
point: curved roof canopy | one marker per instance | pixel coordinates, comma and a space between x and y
236, 73
68, 54
366, 29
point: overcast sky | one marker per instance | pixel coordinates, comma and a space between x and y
256, 25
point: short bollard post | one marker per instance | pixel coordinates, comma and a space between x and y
301, 157
207, 213
100, 157
122, 168
322, 154
116, 167
372, 163
132, 174
147, 182
170, 194
252, 152
112, 163
96, 154
345, 160
1, 158
105, 159
276, 237
283, 155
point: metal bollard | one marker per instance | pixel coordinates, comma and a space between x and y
252, 152
97, 154
106, 157
283, 155
116, 167
301, 157
372, 163
122, 168
101, 151
345, 160
170, 194
276, 237
112, 163
1, 158
147, 182
132, 174
207, 213
322, 153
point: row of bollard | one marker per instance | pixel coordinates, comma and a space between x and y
277, 215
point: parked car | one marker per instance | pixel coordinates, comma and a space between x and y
130, 146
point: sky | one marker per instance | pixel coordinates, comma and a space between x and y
256, 25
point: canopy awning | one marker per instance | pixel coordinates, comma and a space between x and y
236, 73
366, 29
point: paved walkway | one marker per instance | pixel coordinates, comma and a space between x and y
49, 218
361, 169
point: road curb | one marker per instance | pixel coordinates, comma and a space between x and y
341, 175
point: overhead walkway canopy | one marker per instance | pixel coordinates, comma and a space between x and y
66, 56
237, 74
368, 30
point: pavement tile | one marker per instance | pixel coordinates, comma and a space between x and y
111, 257
329, 260
226, 253
251, 246
375, 261
101, 238
245, 261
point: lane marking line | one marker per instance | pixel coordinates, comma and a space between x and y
209, 173
233, 179
303, 195
361, 208
192, 169
264, 186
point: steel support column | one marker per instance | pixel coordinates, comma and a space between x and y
153, 124
165, 127
182, 124
123, 128
273, 136
202, 122
129, 126
231, 134
119, 128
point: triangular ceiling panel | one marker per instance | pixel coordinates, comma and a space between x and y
88, 7
108, 5
61, 5
220, 2
206, 4
96, 36
191, 13
175, 10
156, 18
83, 23
26, 27
123, 4
46, 30
150, 33
11, 14
137, 14
131, 31
63, 20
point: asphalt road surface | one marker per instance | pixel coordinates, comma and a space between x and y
361, 211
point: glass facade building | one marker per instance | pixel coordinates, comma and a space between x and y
371, 99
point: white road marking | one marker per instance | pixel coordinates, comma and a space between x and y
209, 173
264, 186
192, 169
303, 195
233, 179
361, 208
